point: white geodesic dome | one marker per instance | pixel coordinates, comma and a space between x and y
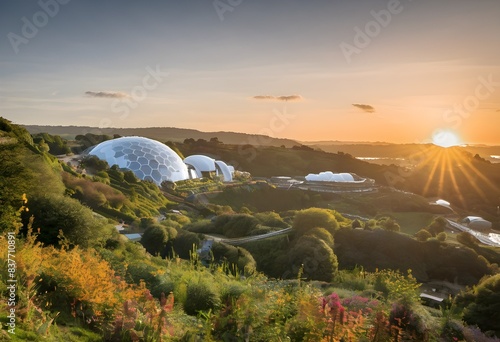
200, 164
148, 159
329, 176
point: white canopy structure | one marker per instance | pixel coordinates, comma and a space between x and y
202, 164
329, 176
225, 170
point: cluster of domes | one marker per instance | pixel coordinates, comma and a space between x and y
329, 176
202, 165
153, 161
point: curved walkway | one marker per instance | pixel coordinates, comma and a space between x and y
240, 241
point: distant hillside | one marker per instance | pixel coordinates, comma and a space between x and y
165, 134
387, 150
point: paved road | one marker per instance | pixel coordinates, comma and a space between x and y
240, 241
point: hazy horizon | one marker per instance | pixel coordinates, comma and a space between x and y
374, 71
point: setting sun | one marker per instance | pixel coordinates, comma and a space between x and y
445, 138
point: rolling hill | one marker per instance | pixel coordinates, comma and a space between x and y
164, 134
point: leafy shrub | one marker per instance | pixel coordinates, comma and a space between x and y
239, 259
184, 243
232, 291
452, 330
441, 237
238, 225
203, 226
388, 223
354, 284
163, 285
423, 235
95, 164
200, 297
139, 271
437, 226
316, 256
155, 239
271, 219
361, 304
312, 218
322, 234
485, 305
467, 239
94, 194
54, 213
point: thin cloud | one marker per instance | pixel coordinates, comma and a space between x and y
106, 94
364, 107
278, 98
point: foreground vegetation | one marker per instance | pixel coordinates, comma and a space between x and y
330, 279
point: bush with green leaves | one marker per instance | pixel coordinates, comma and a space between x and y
308, 219
437, 226
322, 234
467, 239
441, 236
484, 305
238, 225
238, 259
271, 219
156, 237
315, 256
139, 271
53, 213
185, 243
201, 296
388, 223
163, 285
423, 235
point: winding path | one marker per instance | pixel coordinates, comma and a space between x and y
240, 241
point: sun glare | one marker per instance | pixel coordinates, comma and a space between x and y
445, 138
454, 166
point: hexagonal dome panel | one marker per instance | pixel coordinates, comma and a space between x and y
129, 153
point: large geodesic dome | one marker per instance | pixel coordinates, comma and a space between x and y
147, 158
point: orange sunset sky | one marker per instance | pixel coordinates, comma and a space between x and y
395, 71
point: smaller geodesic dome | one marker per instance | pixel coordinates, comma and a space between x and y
204, 165
329, 176
148, 159
200, 164
477, 223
